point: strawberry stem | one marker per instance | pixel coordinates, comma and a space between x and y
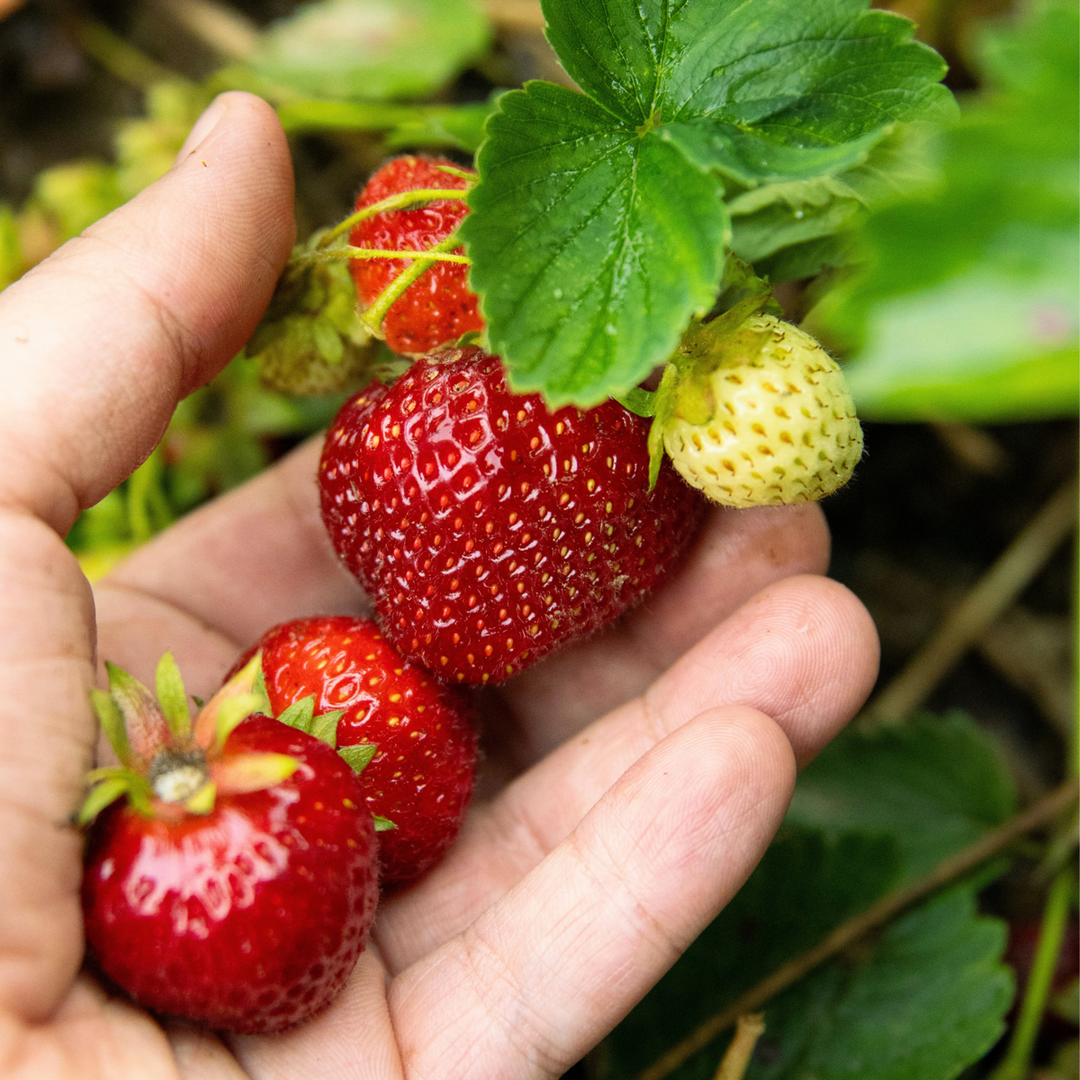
309, 258
373, 317
404, 200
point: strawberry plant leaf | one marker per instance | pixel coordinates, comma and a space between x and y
596, 230
966, 309
919, 1002
382, 824
803, 888
372, 49
928, 1001
936, 783
749, 160
614, 241
874, 811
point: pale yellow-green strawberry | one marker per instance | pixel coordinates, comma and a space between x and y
761, 415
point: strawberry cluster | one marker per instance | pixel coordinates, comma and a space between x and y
233, 867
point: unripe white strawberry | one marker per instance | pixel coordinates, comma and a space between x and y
762, 416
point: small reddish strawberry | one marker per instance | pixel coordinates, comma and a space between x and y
438, 307
488, 530
236, 883
411, 735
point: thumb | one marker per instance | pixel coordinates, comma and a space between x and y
100, 341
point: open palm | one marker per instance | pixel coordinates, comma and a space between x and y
631, 781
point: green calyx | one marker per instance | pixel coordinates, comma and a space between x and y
686, 386
170, 766
301, 715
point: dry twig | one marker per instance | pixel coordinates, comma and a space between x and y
888, 907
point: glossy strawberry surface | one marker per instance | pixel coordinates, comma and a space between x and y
248, 918
488, 530
421, 776
438, 307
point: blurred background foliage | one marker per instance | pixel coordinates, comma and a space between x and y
944, 270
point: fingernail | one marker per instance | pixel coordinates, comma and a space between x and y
203, 126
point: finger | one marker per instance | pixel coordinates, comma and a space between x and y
803, 651
101, 340
91, 1037
252, 558
538, 979
260, 555
94, 358
737, 554
353, 1039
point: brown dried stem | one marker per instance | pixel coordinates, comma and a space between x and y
1046, 810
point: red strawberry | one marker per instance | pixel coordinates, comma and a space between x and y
488, 530
439, 306
420, 774
236, 883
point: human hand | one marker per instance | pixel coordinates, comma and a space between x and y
633, 779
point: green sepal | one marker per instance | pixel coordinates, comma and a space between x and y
662, 410
259, 687
173, 697
110, 784
202, 802
325, 726
299, 714
144, 721
382, 824
233, 712
112, 723
240, 774
358, 757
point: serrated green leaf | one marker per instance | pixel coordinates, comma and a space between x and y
936, 783
299, 714
372, 49
382, 824
358, 757
172, 696
592, 239
749, 159
803, 888
817, 73
614, 241
927, 1002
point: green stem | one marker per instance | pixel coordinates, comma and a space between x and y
402, 201
1017, 1062
308, 258
373, 317
119, 58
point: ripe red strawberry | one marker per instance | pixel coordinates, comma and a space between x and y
422, 747
439, 306
488, 530
236, 883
